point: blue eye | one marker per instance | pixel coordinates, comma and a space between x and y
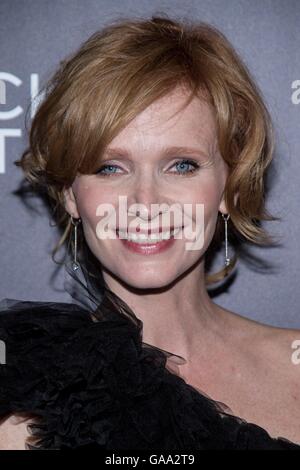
105, 170
183, 166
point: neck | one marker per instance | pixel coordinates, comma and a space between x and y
181, 318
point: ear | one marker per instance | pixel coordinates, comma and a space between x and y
222, 206
70, 202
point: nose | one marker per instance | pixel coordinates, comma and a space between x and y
146, 200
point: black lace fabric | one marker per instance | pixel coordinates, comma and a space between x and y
82, 371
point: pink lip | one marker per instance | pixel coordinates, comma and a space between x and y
147, 248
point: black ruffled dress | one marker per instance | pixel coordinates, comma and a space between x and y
90, 382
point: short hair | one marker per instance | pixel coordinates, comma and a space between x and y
118, 72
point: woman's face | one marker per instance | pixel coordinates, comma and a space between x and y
140, 165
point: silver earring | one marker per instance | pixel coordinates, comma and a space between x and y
227, 259
75, 264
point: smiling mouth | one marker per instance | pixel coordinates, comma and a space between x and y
148, 236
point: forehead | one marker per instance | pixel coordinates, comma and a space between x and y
165, 122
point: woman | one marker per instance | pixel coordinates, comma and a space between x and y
163, 116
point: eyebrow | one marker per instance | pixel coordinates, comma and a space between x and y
167, 151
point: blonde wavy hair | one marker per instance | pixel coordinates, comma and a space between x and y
119, 71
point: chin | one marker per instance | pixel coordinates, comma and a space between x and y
146, 285
144, 280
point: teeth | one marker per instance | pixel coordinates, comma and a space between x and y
144, 238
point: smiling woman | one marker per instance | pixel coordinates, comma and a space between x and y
155, 127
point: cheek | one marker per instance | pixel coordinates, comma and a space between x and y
89, 198
208, 195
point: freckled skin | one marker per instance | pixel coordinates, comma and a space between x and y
147, 179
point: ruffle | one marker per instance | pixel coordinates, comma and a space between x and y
90, 382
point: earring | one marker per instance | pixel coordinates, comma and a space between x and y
75, 264
227, 259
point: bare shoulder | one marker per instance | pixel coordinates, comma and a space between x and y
14, 433
277, 348
267, 388
278, 343
282, 345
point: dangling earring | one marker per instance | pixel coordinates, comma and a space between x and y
75, 264
227, 259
